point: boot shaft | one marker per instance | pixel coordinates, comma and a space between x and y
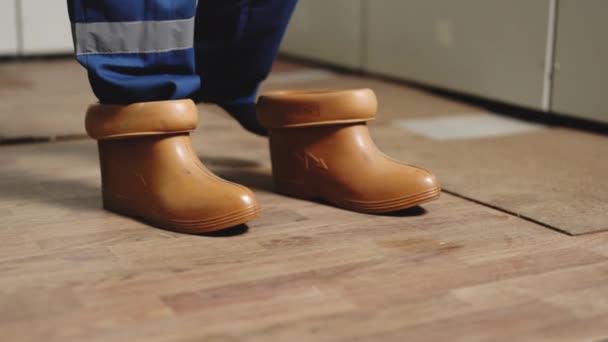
149, 169
321, 148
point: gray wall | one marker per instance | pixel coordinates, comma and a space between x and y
8, 28
31, 27
494, 48
491, 48
581, 76
326, 30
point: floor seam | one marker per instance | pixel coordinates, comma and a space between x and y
41, 140
512, 213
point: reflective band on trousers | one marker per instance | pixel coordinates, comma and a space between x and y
133, 36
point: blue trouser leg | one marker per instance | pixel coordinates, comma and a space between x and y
143, 50
236, 43
136, 50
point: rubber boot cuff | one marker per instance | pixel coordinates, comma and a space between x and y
285, 109
106, 121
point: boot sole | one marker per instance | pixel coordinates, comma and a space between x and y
300, 191
378, 207
191, 226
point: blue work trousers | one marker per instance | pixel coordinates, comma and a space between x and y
151, 50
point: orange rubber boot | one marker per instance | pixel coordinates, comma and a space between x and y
149, 169
321, 149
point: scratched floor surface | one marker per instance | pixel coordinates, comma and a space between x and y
452, 270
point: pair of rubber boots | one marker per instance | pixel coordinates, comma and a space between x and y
320, 148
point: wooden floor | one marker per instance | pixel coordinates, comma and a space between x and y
453, 270
499, 170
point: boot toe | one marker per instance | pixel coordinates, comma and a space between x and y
236, 207
209, 210
428, 181
397, 191
244, 200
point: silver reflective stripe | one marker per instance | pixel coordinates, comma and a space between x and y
133, 36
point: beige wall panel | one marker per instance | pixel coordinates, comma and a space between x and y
581, 79
327, 31
491, 48
46, 27
8, 28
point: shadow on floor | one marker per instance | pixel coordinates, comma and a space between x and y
80, 192
73, 194
228, 232
409, 212
42, 173
27, 184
